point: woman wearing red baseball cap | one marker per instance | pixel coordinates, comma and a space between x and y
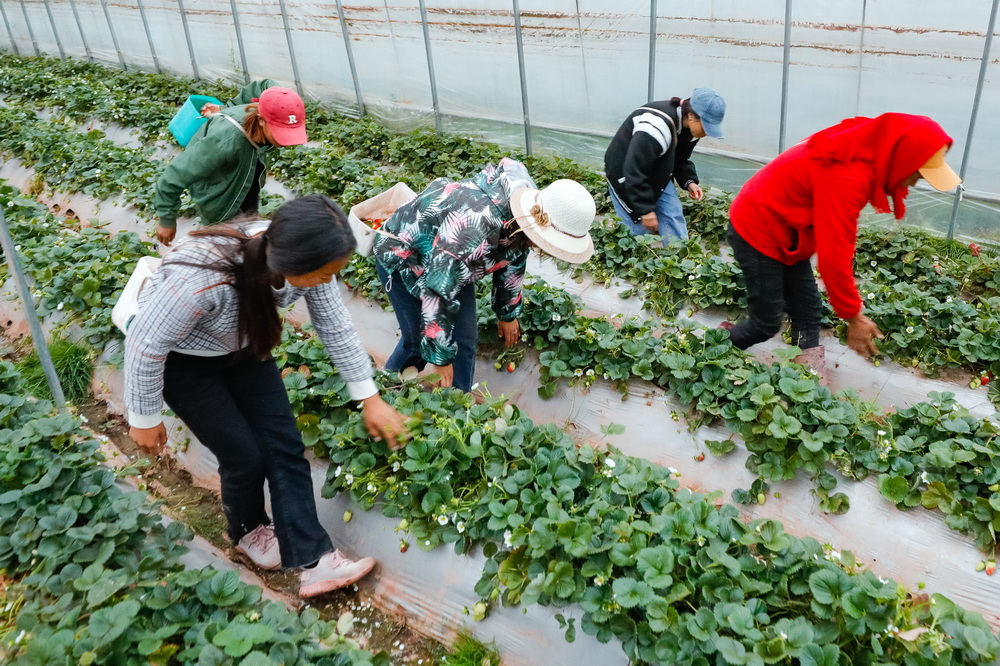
225, 164
807, 201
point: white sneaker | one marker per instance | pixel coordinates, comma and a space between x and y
261, 546
333, 571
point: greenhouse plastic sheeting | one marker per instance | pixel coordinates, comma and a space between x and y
911, 547
586, 64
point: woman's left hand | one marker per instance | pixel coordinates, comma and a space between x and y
384, 422
694, 189
509, 332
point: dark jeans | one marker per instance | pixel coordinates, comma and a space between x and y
236, 405
411, 328
774, 288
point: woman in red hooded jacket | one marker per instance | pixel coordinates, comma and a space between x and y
807, 201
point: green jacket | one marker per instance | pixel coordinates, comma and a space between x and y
217, 167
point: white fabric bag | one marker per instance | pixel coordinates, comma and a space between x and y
127, 306
379, 207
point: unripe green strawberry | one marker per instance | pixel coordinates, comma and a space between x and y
348, 515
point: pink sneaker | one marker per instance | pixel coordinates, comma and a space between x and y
334, 571
261, 546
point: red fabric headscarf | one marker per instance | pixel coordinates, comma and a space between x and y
895, 144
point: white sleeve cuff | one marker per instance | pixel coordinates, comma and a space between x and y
364, 389
144, 420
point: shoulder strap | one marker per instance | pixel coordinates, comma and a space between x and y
240, 127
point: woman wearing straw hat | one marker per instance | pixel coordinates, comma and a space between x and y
807, 201
454, 233
225, 164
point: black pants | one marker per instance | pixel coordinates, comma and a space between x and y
236, 405
774, 288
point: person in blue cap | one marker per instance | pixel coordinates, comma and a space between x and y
651, 151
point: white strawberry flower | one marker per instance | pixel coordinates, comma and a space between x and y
442, 520
507, 535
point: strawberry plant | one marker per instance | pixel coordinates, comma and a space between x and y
97, 571
647, 562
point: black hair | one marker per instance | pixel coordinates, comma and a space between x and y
685, 107
305, 234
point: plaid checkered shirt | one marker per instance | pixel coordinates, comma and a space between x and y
192, 310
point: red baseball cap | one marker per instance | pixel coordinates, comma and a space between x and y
285, 114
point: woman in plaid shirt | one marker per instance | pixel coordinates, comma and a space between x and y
202, 342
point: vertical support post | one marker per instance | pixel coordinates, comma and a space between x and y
975, 112
861, 57
114, 36
291, 48
83, 35
350, 58
37, 336
149, 37
187, 36
239, 41
55, 31
31, 33
524, 80
786, 58
430, 65
652, 50
10, 32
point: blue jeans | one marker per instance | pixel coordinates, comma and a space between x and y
411, 329
237, 406
774, 288
669, 215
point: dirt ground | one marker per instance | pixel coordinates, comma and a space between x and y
201, 509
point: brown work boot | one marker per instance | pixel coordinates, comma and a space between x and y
815, 359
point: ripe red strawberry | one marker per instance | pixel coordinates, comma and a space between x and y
974, 249
511, 366
700, 457
984, 379
404, 546
991, 567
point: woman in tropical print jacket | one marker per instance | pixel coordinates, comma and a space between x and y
447, 238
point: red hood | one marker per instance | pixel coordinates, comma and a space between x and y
894, 144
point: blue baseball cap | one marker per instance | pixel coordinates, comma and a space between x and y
711, 108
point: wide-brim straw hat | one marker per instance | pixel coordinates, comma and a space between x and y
560, 225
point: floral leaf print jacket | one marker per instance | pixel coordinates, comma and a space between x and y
451, 235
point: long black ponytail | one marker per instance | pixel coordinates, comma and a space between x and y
304, 235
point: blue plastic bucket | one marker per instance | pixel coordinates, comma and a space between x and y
188, 119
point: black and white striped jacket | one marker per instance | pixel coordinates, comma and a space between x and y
649, 149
